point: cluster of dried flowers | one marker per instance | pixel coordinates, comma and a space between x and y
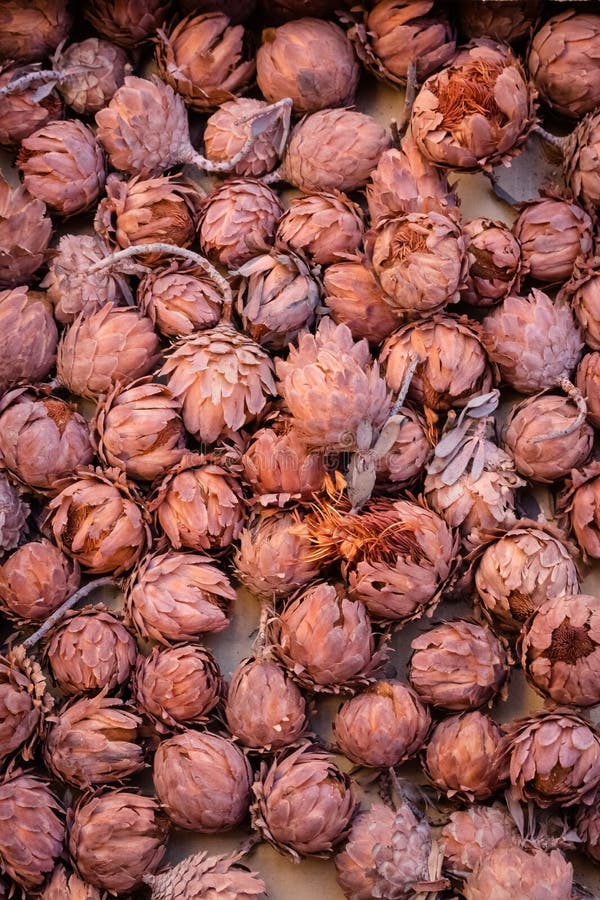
214, 385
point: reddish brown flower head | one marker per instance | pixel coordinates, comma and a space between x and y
552, 234
582, 292
24, 704
67, 885
409, 455
179, 299
502, 20
227, 130
325, 227
25, 232
35, 580
13, 515
24, 111
581, 154
495, 264
473, 833
355, 298
29, 336
127, 22
31, 29
581, 501
197, 876
104, 67
508, 869
588, 827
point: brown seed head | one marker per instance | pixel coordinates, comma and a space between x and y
536, 873
127, 22
325, 227
355, 298
25, 232
179, 299
552, 234
503, 20
24, 704
30, 337
13, 515
471, 834
226, 133
67, 885
24, 111
104, 68
495, 263
31, 29
35, 580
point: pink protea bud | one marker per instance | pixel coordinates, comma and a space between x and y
303, 803
30, 336
176, 686
228, 129
495, 263
458, 665
222, 379
580, 501
113, 344
553, 233
355, 298
553, 456
560, 649
13, 515
464, 756
326, 227
117, 837
127, 22
538, 875
265, 710
382, 726
25, 110
202, 781
67, 885
309, 60
63, 165
175, 597
477, 112
409, 455
506, 21
100, 69
139, 429
200, 874
93, 741
278, 300
583, 293
588, 383
42, 438
588, 827
24, 704
580, 162
520, 570
31, 29
35, 580
25, 232
90, 650
179, 299
472, 834
334, 149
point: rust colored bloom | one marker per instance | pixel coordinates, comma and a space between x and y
127, 22
553, 233
25, 232
31, 29
25, 110
200, 875
588, 827
29, 336
408, 456
24, 705
228, 129
67, 885
495, 263
508, 870
503, 20
35, 580
581, 501
13, 515
102, 70
582, 292
471, 834
355, 298
326, 227
580, 161
179, 299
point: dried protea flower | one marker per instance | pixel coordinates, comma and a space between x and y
127, 22
25, 232
562, 62
31, 840
31, 29
560, 648
588, 827
520, 570
588, 383
419, 260
409, 454
90, 650
303, 803
334, 149
29, 336
580, 161
112, 344
222, 379
94, 741
199, 505
553, 233
64, 885
310, 61
473, 833
509, 869
42, 438
201, 875
273, 558
23, 705
477, 112
63, 165
98, 519
70, 285
582, 292
228, 129
502, 20
116, 837
581, 501
99, 68
383, 726
176, 686
458, 665
325, 227
35, 580
547, 438
464, 756
24, 110
202, 781
494, 255
325, 640
180, 299
333, 388
13, 515
177, 596
452, 365
278, 300
139, 429
355, 298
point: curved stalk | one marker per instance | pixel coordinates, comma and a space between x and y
69, 603
578, 399
25, 81
408, 377
553, 139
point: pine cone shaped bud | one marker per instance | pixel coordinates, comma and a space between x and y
175, 597
31, 29
581, 502
580, 162
583, 294
547, 460
127, 22
332, 388
408, 456
72, 287
463, 757
139, 429
274, 554
24, 111
25, 232
453, 366
507, 869
303, 803
90, 650
334, 149
506, 21
103, 70
560, 649
355, 298
35, 580
382, 726
30, 337
179, 299
201, 875
309, 60
265, 710
205, 59
31, 840
202, 781
13, 515
495, 263
588, 383
94, 741
473, 833
116, 838
520, 570
23, 705
477, 112
326, 227
227, 131
64, 885
553, 233
222, 379
112, 344
458, 665
278, 300
176, 686
567, 44
554, 758
588, 827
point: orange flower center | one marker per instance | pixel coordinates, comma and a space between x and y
470, 91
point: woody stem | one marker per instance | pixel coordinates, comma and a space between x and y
578, 399
408, 377
69, 603
553, 139
25, 81
263, 624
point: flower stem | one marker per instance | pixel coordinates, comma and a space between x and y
72, 601
261, 640
578, 399
408, 377
553, 139
25, 81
